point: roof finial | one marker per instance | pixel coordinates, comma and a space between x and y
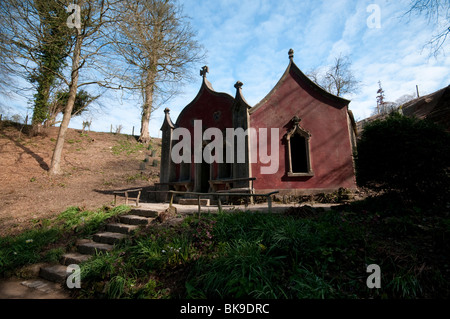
238, 85
291, 54
204, 70
166, 110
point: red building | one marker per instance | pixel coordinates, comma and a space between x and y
299, 140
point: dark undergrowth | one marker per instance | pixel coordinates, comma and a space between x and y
304, 253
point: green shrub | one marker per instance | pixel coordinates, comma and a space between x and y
258, 256
88, 222
25, 248
242, 270
54, 255
29, 246
407, 155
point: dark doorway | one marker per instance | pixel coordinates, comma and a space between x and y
205, 177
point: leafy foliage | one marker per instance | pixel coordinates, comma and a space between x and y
52, 51
30, 246
58, 105
258, 255
407, 155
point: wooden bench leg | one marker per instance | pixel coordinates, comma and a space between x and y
269, 203
137, 198
198, 201
219, 202
171, 200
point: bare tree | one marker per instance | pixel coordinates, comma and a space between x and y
5, 72
380, 99
338, 78
383, 107
158, 45
405, 98
35, 43
89, 43
87, 21
438, 13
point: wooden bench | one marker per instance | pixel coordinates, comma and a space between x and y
126, 192
268, 195
218, 195
188, 185
228, 182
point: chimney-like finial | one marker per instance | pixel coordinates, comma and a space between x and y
238, 85
291, 54
204, 70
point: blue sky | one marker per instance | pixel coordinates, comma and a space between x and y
248, 40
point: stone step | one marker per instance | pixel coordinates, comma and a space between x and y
55, 273
144, 212
121, 228
42, 285
90, 247
109, 237
74, 258
134, 220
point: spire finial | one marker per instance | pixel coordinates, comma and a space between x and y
166, 110
204, 70
296, 120
238, 85
291, 54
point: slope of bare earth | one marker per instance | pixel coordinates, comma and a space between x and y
94, 164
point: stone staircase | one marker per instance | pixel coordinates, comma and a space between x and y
101, 242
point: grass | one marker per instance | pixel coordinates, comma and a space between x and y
319, 255
277, 256
272, 256
128, 147
32, 246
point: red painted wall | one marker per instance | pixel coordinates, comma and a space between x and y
206, 106
330, 147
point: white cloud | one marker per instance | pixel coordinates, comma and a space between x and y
248, 40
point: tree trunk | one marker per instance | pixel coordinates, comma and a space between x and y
40, 111
55, 167
147, 110
145, 121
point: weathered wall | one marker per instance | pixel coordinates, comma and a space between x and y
214, 109
330, 146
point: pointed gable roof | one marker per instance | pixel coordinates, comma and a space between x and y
307, 84
205, 89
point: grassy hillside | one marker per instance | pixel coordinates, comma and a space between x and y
94, 165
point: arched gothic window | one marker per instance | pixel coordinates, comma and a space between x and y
298, 150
